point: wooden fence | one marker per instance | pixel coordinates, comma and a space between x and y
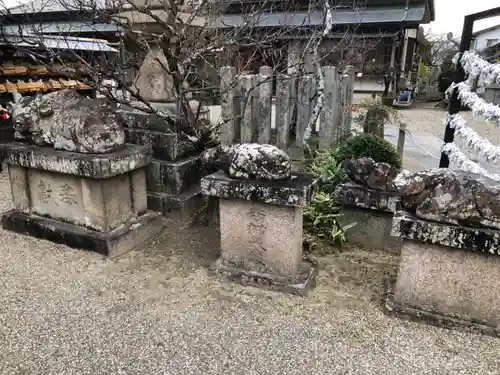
247, 107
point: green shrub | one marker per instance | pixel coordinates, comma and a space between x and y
385, 113
368, 145
322, 221
330, 173
322, 218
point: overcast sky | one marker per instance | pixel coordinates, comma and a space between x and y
449, 14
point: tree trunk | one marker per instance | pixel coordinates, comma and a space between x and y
374, 122
387, 83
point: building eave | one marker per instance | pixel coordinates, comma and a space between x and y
365, 16
477, 33
133, 17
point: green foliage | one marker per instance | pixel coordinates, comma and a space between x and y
422, 69
330, 172
322, 218
368, 145
385, 113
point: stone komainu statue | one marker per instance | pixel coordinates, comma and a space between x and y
450, 196
67, 121
250, 161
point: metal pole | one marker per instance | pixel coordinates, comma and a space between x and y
460, 76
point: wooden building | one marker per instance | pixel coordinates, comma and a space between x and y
375, 36
48, 45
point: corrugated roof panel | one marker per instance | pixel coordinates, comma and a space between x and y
52, 42
316, 18
47, 6
59, 27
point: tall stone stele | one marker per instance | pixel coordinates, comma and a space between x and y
73, 179
260, 216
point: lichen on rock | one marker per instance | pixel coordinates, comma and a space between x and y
450, 196
67, 121
251, 161
367, 172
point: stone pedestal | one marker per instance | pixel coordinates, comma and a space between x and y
372, 211
261, 230
448, 275
173, 177
88, 201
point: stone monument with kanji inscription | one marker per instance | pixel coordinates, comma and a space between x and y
73, 179
260, 216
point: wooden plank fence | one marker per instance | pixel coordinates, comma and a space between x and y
247, 107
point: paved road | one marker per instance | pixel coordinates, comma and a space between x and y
421, 149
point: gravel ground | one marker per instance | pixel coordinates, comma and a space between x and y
159, 311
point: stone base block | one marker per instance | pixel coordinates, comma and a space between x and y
417, 314
452, 283
449, 273
176, 206
372, 211
300, 284
165, 145
174, 177
263, 237
261, 229
131, 235
372, 229
99, 192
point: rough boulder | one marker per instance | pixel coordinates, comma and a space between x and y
367, 172
450, 196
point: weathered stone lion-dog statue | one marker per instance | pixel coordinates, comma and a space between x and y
67, 121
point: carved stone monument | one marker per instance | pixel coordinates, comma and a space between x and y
449, 267
261, 219
153, 81
91, 197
